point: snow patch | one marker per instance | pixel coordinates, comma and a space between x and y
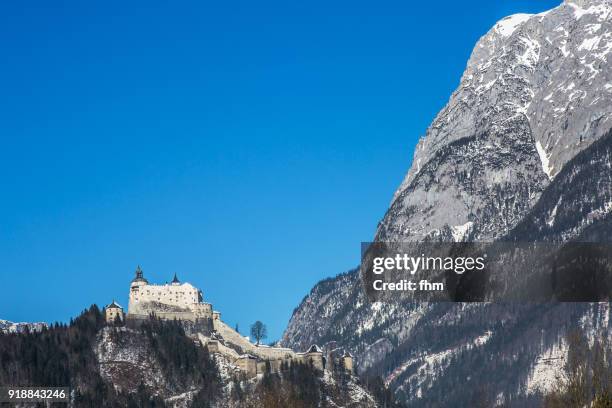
547, 369
589, 43
531, 55
569, 87
485, 87
578, 11
592, 28
459, 231
548, 169
553, 214
483, 339
508, 25
563, 48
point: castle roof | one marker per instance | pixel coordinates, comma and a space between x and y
314, 349
114, 305
175, 280
139, 276
347, 354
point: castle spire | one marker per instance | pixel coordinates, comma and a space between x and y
175, 280
139, 276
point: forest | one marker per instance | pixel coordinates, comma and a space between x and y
63, 356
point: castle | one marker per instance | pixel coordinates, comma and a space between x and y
176, 300
184, 302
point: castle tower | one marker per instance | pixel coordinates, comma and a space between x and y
175, 281
136, 288
113, 312
315, 356
139, 277
347, 361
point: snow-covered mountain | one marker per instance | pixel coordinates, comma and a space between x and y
522, 151
536, 91
11, 327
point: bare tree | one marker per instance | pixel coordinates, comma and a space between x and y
259, 331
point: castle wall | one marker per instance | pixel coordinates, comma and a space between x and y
254, 360
275, 366
315, 358
261, 351
348, 364
177, 295
248, 365
214, 346
190, 325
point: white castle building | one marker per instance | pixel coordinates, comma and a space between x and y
176, 300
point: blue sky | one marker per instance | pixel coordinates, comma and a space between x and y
247, 146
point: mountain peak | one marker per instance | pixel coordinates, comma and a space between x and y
536, 83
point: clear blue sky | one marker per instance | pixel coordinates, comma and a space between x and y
248, 146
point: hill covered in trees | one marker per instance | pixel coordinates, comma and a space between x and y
65, 355
158, 365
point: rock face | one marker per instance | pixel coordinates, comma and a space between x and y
522, 151
536, 91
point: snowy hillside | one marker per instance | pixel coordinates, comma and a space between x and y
11, 327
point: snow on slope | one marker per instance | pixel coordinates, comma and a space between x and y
548, 369
11, 327
507, 25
